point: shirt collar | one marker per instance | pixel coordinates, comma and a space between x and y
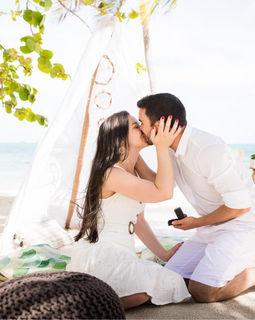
181, 149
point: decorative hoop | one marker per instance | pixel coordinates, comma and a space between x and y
110, 103
113, 71
131, 230
98, 122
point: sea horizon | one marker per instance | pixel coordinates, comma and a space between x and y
16, 157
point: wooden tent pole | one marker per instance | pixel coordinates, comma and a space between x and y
84, 136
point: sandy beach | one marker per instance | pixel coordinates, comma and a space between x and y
241, 307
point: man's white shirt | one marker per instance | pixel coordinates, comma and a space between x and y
210, 174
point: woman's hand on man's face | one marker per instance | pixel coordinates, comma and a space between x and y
165, 136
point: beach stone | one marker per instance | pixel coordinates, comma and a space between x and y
59, 295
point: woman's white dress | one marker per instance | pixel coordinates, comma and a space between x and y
113, 258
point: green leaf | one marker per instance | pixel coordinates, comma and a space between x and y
38, 38
7, 57
39, 119
26, 38
133, 15
4, 262
13, 16
41, 29
25, 50
13, 99
48, 4
48, 64
89, 1
30, 44
14, 87
44, 68
42, 21
58, 65
140, 68
20, 114
28, 87
36, 18
23, 94
8, 110
31, 99
34, 91
7, 83
54, 72
47, 54
28, 254
27, 16
20, 272
42, 60
38, 48
30, 117
37, 1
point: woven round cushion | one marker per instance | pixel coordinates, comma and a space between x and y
59, 295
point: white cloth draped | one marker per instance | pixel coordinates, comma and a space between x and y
46, 190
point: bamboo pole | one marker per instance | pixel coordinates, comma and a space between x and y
79, 166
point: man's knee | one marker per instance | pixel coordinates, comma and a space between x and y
203, 293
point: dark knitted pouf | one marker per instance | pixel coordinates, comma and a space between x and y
59, 295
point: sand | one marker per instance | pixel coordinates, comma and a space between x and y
241, 307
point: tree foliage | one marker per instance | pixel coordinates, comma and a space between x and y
13, 60
11, 90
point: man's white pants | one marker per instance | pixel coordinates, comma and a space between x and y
215, 255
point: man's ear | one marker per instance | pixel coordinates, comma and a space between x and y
157, 125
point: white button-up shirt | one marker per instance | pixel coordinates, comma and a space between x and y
210, 174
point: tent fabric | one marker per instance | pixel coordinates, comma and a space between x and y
47, 188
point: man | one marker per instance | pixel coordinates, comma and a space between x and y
216, 260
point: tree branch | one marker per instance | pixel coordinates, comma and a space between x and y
2, 91
17, 59
74, 14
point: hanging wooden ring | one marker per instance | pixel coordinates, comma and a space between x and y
110, 96
113, 71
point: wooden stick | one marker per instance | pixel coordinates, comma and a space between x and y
84, 136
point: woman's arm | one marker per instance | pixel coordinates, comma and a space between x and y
144, 170
145, 234
142, 190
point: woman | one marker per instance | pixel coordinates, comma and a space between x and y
113, 211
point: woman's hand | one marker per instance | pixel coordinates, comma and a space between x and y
169, 253
165, 136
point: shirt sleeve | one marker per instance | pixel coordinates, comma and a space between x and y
218, 164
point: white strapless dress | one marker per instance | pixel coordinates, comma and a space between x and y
113, 258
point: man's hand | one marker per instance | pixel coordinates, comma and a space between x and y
186, 223
220, 215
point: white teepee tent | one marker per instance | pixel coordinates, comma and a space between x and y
105, 82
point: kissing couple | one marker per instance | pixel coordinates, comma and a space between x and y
216, 262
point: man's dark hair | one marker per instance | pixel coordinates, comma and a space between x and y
163, 104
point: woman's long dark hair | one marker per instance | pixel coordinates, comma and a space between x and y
112, 139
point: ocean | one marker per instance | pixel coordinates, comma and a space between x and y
15, 159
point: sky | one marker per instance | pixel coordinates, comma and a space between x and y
203, 52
